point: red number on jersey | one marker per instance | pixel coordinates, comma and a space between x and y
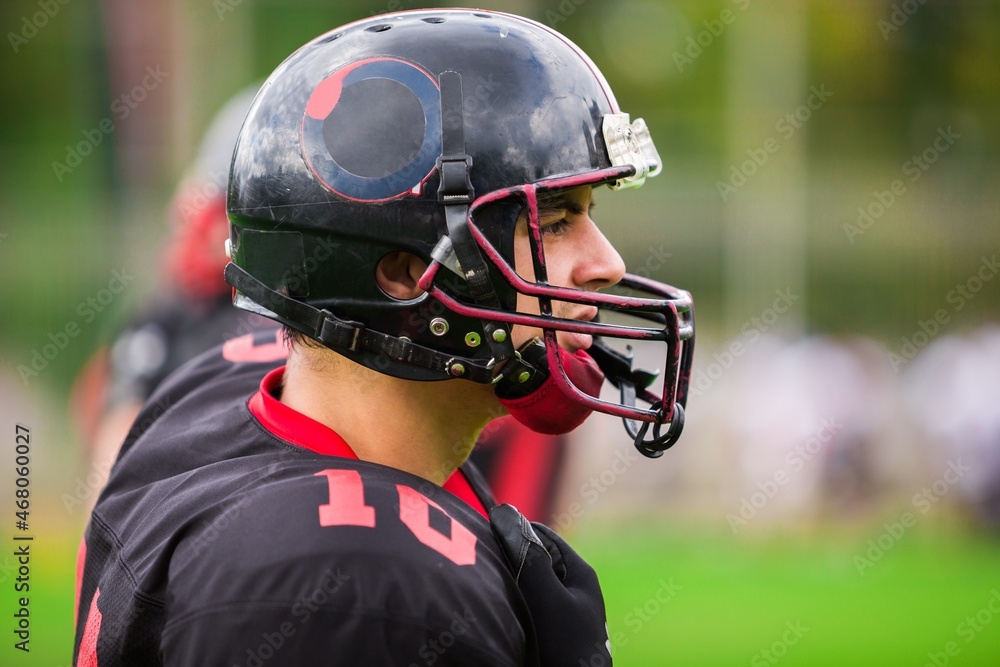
414, 512
347, 500
347, 508
242, 349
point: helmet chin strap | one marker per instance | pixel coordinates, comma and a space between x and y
456, 194
346, 335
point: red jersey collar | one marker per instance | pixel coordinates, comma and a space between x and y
291, 425
296, 428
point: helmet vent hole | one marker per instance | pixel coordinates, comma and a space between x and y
331, 38
382, 27
483, 16
433, 19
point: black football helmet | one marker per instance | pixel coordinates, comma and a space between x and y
430, 132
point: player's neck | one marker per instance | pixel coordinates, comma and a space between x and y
424, 428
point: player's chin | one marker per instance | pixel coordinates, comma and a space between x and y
568, 340
572, 341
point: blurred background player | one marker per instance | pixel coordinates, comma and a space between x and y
191, 311
951, 399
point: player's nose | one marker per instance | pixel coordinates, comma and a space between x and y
597, 263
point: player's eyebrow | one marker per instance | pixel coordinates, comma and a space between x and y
550, 205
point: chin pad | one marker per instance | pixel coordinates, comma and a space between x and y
547, 409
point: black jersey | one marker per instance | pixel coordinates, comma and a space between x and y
236, 531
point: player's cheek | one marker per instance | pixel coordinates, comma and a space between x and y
522, 258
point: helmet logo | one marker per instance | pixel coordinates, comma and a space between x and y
372, 129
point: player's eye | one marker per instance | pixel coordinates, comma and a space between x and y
572, 212
556, 228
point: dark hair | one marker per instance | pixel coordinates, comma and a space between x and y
296, 337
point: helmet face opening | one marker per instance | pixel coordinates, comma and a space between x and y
666, 313
399, 133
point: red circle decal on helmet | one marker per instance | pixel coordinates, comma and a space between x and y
371, 130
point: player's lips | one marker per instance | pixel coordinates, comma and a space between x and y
573, 341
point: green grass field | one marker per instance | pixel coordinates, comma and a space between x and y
678, 596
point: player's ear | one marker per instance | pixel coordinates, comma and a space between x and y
397, 274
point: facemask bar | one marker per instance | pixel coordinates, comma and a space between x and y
670, 310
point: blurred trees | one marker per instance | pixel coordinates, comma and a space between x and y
900, 72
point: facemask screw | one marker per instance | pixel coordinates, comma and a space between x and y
458, 370
439, 326
472, 339
499, 335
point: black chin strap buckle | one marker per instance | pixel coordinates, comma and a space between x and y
456, 180
523, 374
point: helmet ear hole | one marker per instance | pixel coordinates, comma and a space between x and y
397, 274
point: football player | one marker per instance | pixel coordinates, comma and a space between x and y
301, 496
193, 312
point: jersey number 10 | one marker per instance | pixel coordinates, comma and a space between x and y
347, 508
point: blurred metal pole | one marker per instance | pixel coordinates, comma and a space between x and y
89, 92
765, 184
